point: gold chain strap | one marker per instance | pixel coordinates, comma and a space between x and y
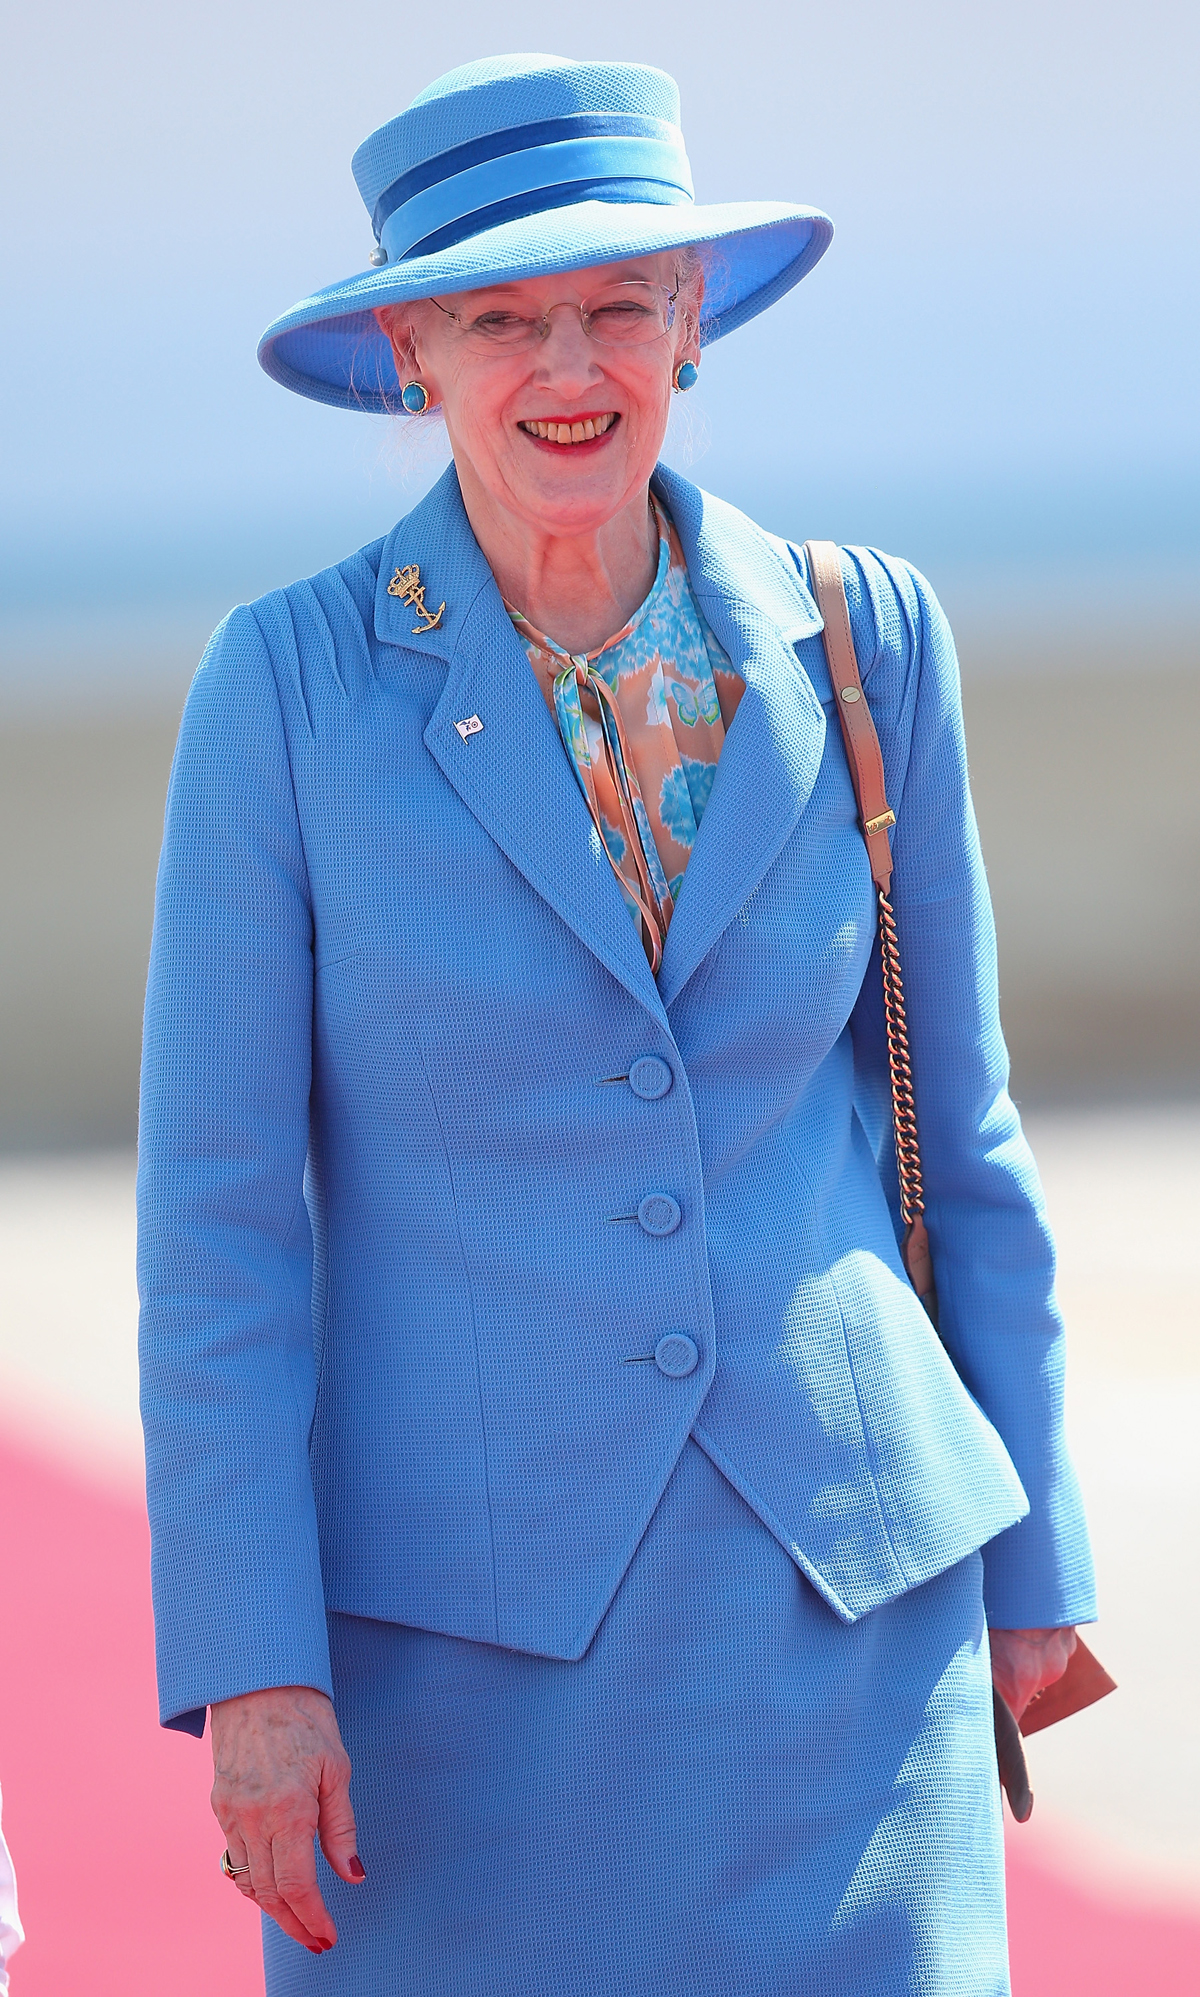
904, 1107
914, 1246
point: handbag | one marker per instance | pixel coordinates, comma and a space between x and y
1085, 1679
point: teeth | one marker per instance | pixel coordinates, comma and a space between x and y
571, 433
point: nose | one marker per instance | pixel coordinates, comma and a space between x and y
567, 360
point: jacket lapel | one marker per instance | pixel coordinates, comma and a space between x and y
512, 774
759, 609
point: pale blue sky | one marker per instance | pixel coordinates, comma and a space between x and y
996, 358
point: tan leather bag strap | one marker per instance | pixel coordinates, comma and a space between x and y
858, 729
876, 817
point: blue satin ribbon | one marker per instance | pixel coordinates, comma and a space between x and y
457, 202
519, 139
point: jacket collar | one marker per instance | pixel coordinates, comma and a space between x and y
514, 776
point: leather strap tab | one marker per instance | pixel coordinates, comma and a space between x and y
858, 730
1010, 1760
917, 1257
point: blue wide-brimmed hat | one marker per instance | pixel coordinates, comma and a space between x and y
516, 167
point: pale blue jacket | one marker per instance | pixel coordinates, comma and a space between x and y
398, 1316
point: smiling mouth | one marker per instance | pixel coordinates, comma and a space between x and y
578, 430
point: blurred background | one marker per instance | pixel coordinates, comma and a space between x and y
992, 373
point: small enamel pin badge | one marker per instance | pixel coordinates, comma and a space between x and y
407, 585
471, 726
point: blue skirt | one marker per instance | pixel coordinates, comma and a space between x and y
732, 1794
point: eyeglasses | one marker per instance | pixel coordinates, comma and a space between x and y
621, 315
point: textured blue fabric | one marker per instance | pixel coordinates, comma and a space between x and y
397, 1382
732, 1795
468, 187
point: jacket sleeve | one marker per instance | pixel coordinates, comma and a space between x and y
992, 1249
224, 1246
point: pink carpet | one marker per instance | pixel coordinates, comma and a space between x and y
116, 1851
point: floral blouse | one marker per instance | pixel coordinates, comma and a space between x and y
643, 720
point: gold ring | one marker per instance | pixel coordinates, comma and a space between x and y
228, 1867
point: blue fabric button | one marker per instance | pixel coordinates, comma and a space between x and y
650, 1078
659, 1213
676, 1355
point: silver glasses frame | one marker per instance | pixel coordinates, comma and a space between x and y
541, 325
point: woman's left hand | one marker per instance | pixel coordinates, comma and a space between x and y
1025, 1661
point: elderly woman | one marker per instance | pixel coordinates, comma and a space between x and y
562, 1502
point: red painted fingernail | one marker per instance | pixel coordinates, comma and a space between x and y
357, 1869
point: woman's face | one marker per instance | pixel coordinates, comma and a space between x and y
498, 404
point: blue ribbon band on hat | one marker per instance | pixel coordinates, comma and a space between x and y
519, 139
657, 166
565, 195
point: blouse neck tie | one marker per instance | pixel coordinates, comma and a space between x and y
642, 719
649, 889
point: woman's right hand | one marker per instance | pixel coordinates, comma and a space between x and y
282, 1777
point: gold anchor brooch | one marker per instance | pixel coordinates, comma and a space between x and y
407, 585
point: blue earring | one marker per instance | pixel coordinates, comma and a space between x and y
415, 398
686, 375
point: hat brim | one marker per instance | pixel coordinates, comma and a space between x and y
330, 347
